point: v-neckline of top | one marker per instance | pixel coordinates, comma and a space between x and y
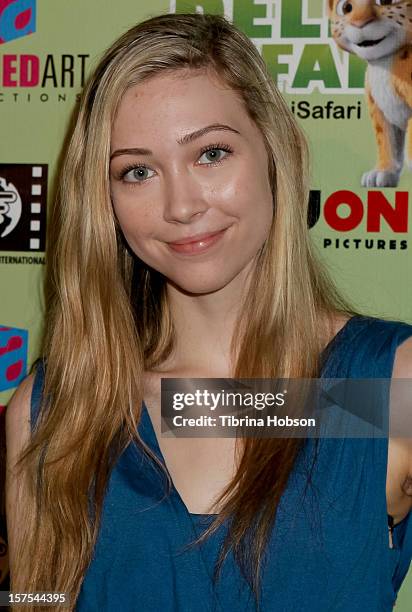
155, 444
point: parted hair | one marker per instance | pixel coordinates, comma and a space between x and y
108, 319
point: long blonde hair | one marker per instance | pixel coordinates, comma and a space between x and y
108, 318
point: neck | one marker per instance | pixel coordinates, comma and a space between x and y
204, 325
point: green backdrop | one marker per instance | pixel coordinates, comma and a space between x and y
294, 38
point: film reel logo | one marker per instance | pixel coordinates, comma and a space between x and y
23, 195
10, 207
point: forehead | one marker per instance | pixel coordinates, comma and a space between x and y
177, 102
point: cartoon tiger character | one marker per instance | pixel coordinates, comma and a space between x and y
380, 32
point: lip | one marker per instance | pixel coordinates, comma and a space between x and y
196, 237
198, 243
370, 43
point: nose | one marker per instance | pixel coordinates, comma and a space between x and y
361, 23
184, 198
361, 16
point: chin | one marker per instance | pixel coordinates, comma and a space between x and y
197, 287
390, 45
201, 284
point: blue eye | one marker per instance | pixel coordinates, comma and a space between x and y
213, 149
137, 173
134, 172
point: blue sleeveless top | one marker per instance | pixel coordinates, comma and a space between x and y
329, 547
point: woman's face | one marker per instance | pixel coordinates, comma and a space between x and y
166, 188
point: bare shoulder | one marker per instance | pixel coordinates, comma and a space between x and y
18, 419
339, 321
402, 366
399, 478
17, 437
330, 324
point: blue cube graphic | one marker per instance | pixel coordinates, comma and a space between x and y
13, 356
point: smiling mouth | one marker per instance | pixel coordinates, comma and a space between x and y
370, 43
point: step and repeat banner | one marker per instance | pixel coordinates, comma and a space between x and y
359, 215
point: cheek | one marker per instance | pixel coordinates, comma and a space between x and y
339, 33
253, 198
249, 185
135, 220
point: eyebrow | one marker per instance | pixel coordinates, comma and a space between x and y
187, 138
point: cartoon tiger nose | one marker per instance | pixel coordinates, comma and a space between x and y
359, 16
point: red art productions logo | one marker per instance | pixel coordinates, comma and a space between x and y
25, 76
23, 197
17, 18
345, 212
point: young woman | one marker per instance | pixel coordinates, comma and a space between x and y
181, 250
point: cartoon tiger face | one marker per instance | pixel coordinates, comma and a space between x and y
371, 28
